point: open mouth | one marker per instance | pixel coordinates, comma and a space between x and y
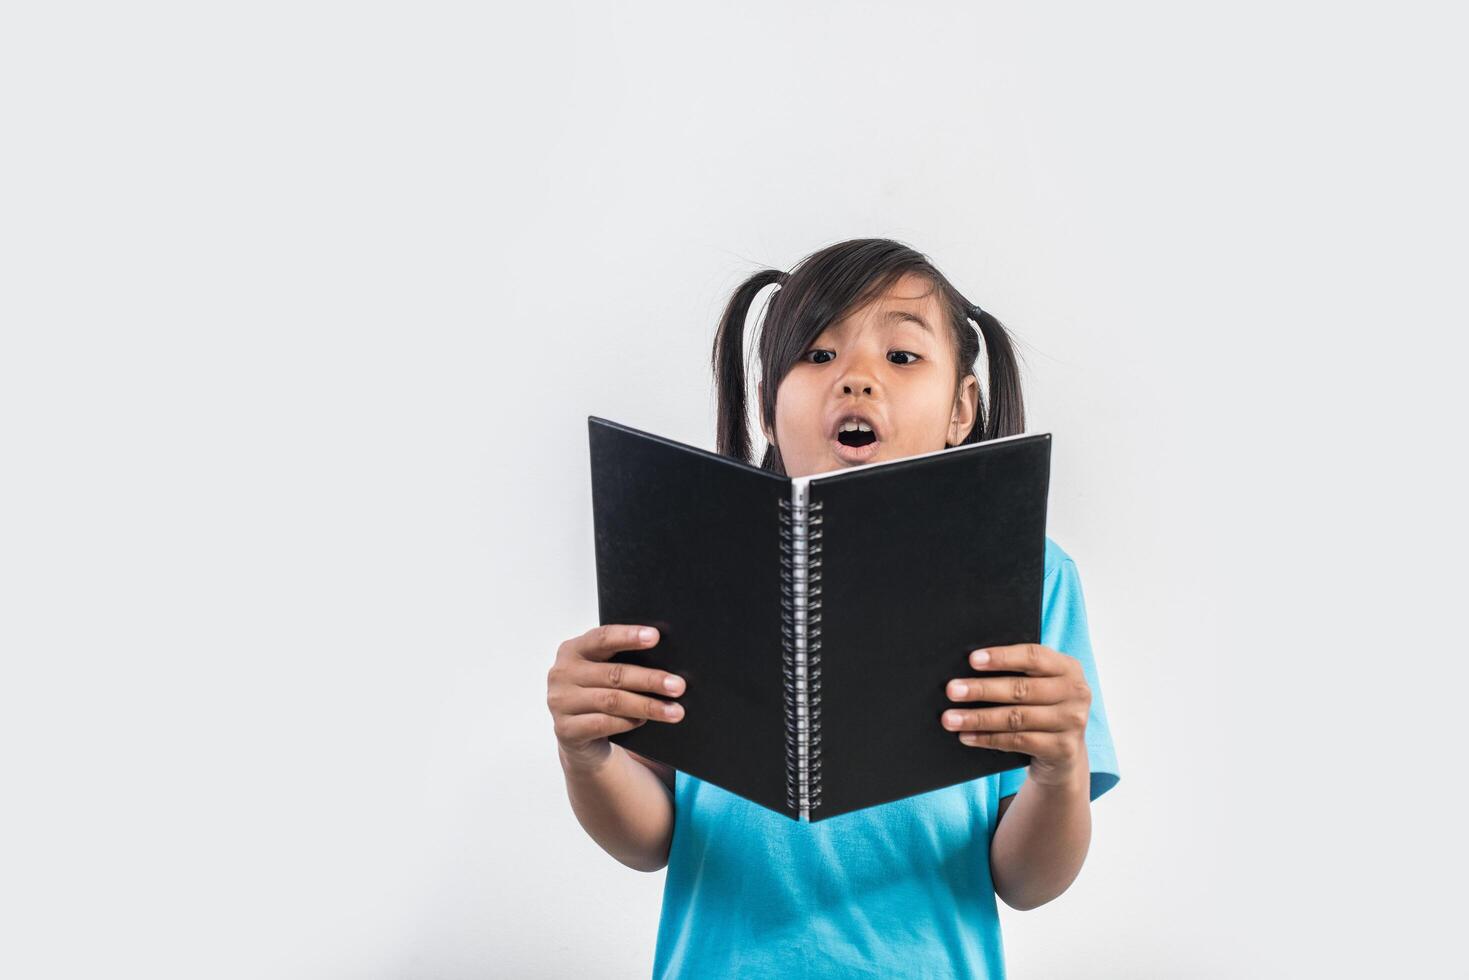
855, 439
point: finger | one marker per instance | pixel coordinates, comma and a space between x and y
1031, 743
601, 642
575, 729
1016, 718
1030, 658
1023, 689
624, 704
626, 677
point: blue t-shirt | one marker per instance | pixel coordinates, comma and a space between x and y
897, 889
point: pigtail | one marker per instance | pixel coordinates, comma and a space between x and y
1005, 413
729, 367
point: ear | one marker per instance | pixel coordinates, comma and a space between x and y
760, 400
966, 410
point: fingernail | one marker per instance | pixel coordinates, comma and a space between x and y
645, 634
672, 684
979, 657
673, 710
953, 718
960, 690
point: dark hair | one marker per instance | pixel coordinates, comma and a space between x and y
824, 287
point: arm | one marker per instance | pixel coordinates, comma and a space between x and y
625, 807
659, 769
1042, 710
1037, 851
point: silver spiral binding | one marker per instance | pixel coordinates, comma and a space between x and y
800, 561
788, 652
813, 652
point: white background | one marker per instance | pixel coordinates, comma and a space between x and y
305, 306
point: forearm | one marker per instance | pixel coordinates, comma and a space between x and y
624, 807
1038, 848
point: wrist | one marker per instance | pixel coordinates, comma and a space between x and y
583, 763
1072, 779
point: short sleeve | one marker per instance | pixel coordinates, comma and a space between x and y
1064, 628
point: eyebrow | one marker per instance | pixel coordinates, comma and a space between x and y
896, 316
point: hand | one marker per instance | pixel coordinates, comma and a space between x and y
590, 699
1043, 714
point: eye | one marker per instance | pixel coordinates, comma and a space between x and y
823, 350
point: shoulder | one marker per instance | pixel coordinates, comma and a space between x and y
1061, 593
1056, 559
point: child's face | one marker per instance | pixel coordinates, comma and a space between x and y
878, 364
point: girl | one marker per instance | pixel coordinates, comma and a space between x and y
870, 330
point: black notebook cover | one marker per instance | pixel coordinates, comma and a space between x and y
818, 620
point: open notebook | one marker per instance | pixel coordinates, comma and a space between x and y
818, 620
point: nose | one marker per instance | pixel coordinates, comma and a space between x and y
858, 377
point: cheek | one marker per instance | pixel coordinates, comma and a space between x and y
927, 420
798, 412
